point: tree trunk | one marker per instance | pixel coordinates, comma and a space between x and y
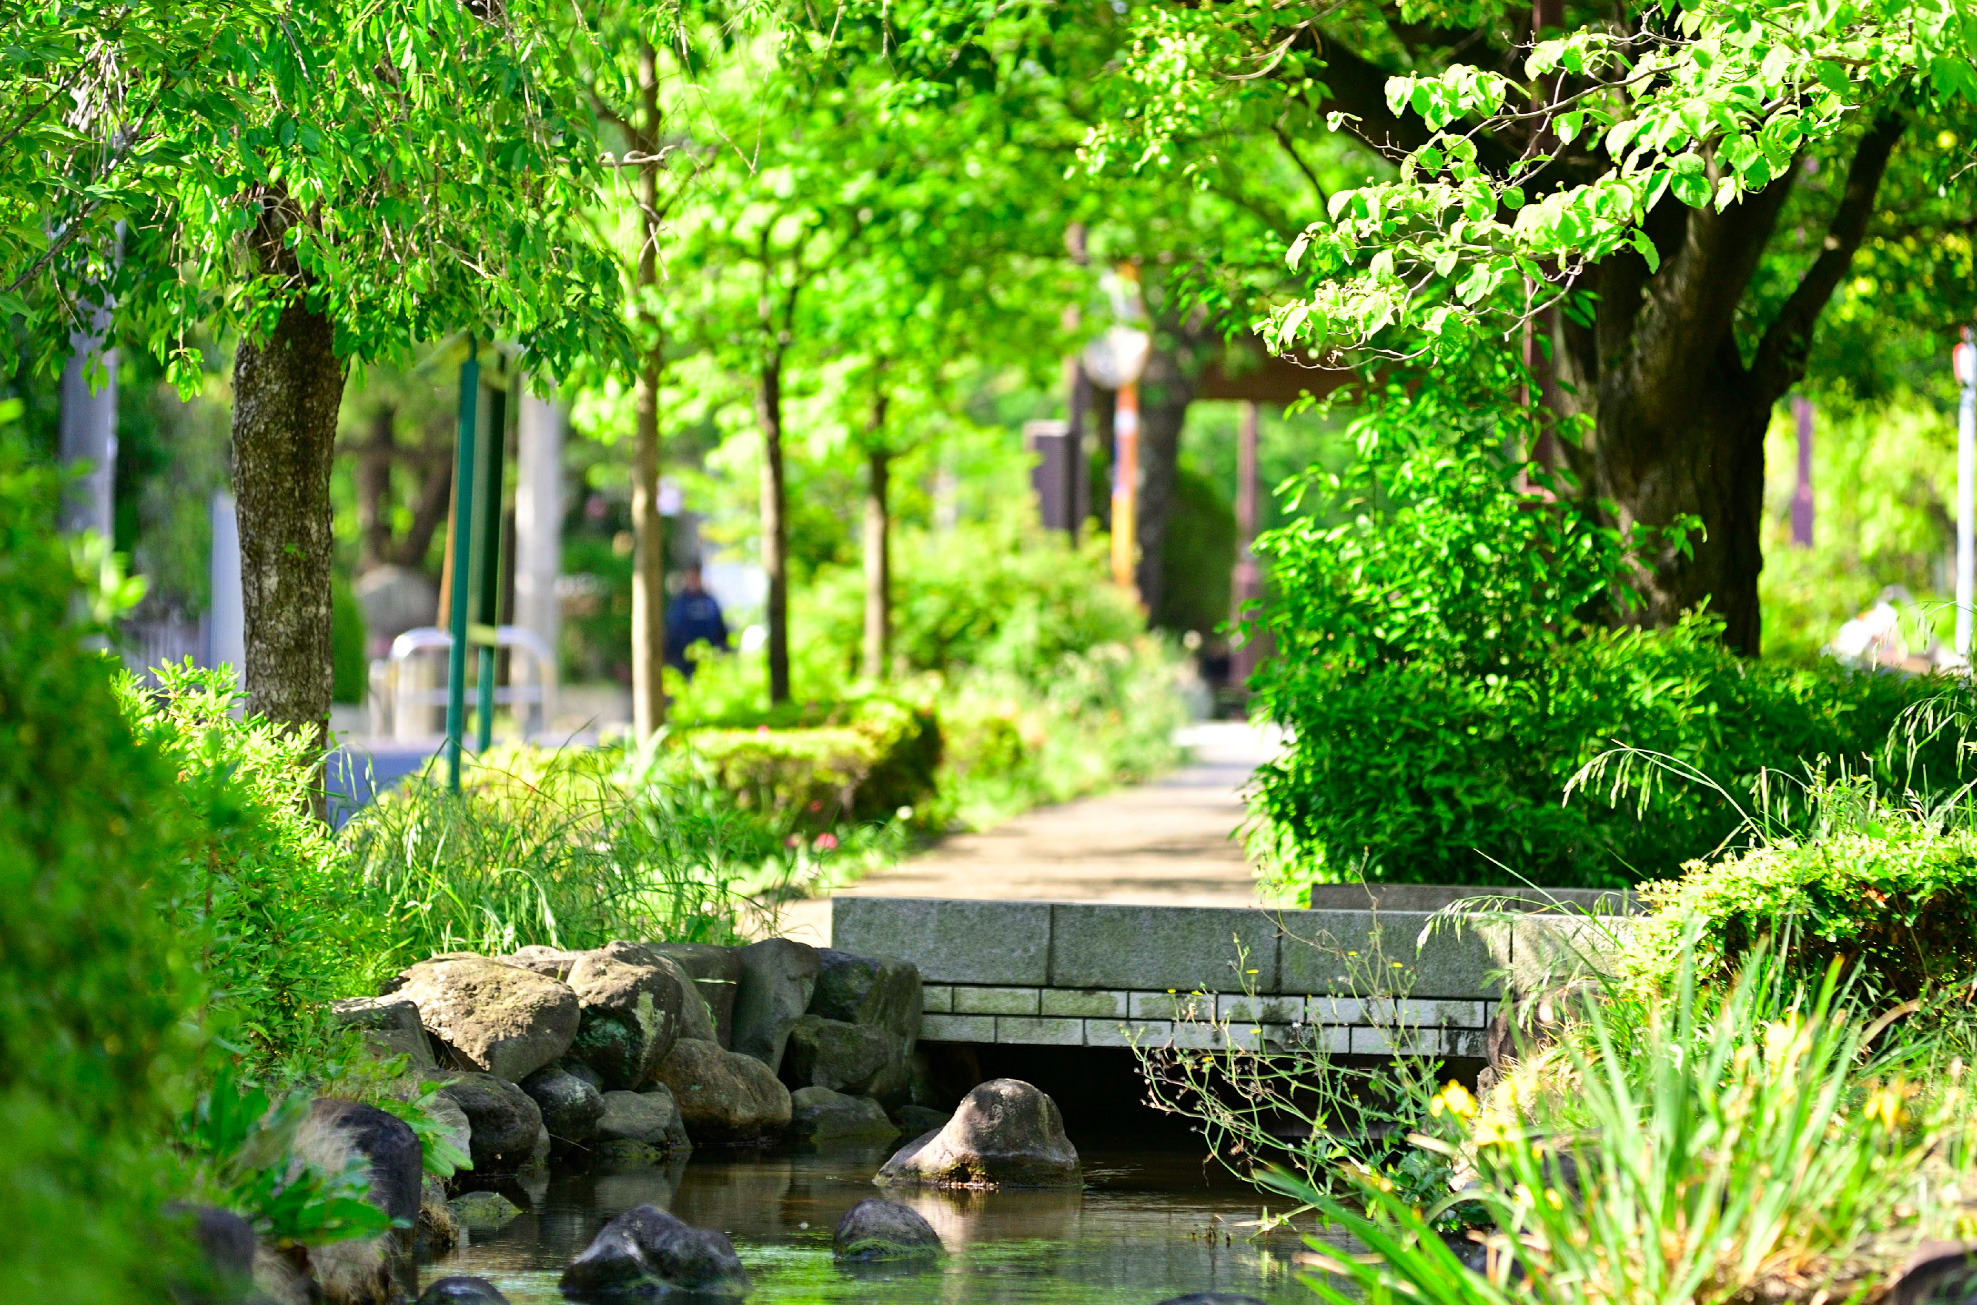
374, 463
1678, 414
285, 397
1166, 389
648, 562
878, 563
775, 525
648, 527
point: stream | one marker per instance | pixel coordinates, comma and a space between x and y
1147, 1225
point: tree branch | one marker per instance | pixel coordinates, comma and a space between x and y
1780, 360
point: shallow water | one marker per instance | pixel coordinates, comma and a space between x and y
1145, 1226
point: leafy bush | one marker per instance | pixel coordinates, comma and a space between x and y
287, 932
880, 756
1442, 678
1408, 772
98, 986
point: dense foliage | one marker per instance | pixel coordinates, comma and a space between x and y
99, 985
1443, 684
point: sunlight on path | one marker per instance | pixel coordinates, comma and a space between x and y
1164, 843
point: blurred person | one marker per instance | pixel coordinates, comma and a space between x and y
693, 617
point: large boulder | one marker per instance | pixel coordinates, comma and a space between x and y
505, 1121
390, 1025
860, 1059
332, 1137
491, 1016
646, 1251
715, 973
483, 1212
724, 1096
878, 1229
1005, 1133
880, 991
630, 1011
778, 977
570, 1106
822, 1116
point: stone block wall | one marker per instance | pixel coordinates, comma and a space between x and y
1086, 974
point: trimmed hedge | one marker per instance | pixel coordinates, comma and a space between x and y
868, 760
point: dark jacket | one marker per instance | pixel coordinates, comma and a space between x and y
690, 619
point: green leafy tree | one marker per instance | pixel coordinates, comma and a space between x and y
1668, 195
331, 182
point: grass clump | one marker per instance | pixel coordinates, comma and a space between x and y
1743, 1144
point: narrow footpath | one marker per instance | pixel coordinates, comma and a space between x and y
1165, 843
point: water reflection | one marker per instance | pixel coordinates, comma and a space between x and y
1144, 1227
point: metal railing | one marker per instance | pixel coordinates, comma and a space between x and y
408, 686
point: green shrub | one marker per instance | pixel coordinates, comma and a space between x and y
98, 986
287, 931
882, 759
1035, 667
1443, 674
1893, 899
1409, 772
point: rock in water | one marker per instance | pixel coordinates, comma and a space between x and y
856, 1058
369, 1270
879, 991
1005, 1133
821, 1115
724, 1096
491, 1016
778, 977
505, 1121
878, 1229
646, 1250
570, 1107
484, 1211
649, 1117
462, 1289
630, 1012
390, 1026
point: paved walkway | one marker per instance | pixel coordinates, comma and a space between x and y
1166, 843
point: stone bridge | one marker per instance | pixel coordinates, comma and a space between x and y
1422, 977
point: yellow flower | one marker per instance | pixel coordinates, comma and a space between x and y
1455, 1100
1884, 1105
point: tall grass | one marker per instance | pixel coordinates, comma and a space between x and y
566, 848
1709, 1148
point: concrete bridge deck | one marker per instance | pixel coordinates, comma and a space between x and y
1359, 982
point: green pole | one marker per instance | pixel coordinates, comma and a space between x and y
488, 486
463, 529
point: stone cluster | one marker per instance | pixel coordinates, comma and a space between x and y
635, 1052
